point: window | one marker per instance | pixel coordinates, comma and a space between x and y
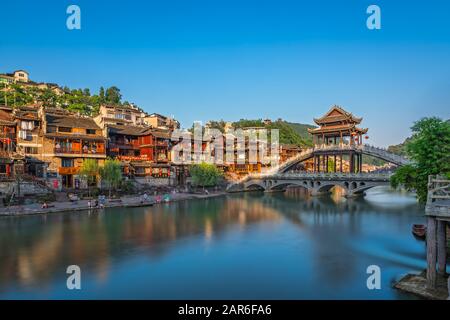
64, 129
66, 163
31, 150
51, 129
90, 131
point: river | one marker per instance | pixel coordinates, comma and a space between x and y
240, 246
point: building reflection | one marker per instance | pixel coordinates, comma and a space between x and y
37, 249
33, 249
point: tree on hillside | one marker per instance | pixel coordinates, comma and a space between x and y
205, 174
111, 173
15, 95
113, 95
101, 94
429, 150
87, 92
219, 125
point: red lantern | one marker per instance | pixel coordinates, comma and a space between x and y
366, 137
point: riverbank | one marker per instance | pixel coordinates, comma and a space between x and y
80, 205
417, 285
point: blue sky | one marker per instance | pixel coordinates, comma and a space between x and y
217, 59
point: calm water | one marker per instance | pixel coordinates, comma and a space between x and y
249, 246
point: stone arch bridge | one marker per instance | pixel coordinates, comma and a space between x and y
318, 183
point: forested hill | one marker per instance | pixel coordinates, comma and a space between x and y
302, 131
290, 133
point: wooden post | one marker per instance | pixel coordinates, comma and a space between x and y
431, 253
335, 163
351, 162
361, 162
441, 246
326, 169
340, 163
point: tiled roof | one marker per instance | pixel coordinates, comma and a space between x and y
6, 119
165, 134
335, 128
71, 121
127, 130
336, 114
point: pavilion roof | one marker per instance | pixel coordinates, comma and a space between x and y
336, 128
337, 114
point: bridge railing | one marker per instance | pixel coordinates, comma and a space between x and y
380, 152
323, 175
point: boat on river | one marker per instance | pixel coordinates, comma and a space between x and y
419, 231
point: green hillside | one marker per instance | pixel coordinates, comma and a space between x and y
290, 133
75, 100
302, 131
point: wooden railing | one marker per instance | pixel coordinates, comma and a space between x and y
68, 170
438, 189
79, 151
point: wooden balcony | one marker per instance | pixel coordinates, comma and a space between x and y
133, 158
68, 170
81, 153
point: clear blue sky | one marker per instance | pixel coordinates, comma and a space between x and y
214, 59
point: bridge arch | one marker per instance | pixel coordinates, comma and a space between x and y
254, 185
282, 185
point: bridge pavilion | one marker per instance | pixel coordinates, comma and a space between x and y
336, 140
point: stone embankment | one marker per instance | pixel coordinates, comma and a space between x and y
80, 205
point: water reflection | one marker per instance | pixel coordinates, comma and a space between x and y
322, 234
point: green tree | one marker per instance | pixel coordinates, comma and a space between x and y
429, 150
101, 94
113, 95
205, 174
111, 173
87, 92
89, 171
